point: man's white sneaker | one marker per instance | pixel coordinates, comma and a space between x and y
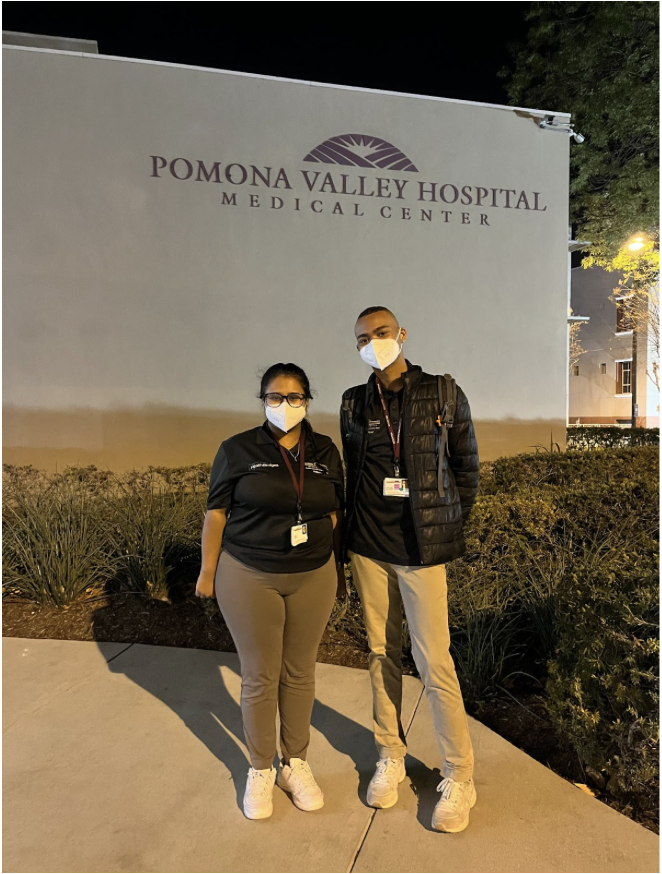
258, 797
297, 779
383, 788
452, 811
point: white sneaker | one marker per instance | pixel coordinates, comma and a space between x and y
452, 811
297, 779
383, 788
258, 797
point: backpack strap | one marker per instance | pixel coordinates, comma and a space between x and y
348, 407
447, 393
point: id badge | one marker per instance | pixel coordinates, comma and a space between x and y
299, 534
396, 488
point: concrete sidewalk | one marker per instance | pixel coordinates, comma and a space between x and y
131, 759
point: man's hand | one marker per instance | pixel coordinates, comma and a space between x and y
205, 585
341, 590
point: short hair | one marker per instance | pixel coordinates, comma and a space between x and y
372, 310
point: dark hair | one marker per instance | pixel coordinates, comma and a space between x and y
300, 374
285, 370
372, 310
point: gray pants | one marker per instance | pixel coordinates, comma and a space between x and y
384, 589
276, 622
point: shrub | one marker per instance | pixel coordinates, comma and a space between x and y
567, 469
583, 589
154, 525
610, 436
55, 548
507, 578
484, 650
602, 687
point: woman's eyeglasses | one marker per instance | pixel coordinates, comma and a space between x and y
273, 399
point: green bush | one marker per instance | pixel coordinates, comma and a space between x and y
562, 557
485, 651
154, 521
610, 436
67, 535
603, 685
567, 469
55, 545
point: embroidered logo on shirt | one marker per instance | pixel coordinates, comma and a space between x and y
316, 467
258, 464
374, 425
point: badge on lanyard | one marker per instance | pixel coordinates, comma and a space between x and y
298, 532
395, 486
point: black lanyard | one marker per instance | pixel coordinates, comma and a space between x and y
394, 440
298, 486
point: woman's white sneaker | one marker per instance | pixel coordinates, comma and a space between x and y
383, 788
297, 779
258, 797
452, 811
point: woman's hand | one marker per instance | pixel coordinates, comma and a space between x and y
341, 590
205, 585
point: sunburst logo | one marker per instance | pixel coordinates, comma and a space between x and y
360, 150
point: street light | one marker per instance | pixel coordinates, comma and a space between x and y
636, 243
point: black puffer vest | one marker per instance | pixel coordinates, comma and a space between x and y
438, 519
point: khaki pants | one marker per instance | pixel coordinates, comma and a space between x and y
276, 622
384, 589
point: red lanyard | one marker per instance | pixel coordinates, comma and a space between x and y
298, 486
394, 440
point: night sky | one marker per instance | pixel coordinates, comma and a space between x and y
442, 49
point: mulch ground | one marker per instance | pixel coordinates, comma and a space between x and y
125, 618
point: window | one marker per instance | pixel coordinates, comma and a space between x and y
603, 368
624, 377
623, 316
575, 370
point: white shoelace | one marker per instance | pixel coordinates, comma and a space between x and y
385, 769
259, 782
447, 787
303, 776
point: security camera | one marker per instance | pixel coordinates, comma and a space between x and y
563, 127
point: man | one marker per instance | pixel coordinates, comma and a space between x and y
405, 515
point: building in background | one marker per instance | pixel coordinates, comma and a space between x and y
171, 231
602, 379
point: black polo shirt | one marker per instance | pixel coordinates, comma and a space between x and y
250, 480
383, 527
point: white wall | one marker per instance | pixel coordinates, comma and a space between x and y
126, 293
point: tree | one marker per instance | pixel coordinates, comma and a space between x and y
639, 288
599, 61
575, 348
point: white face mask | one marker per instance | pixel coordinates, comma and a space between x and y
285, 417
381, 353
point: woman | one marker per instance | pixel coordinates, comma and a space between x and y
274, 505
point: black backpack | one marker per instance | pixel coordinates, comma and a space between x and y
447, 390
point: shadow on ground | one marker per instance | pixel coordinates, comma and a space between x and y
201, 697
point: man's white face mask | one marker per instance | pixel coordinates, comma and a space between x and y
285, 417
380, 353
